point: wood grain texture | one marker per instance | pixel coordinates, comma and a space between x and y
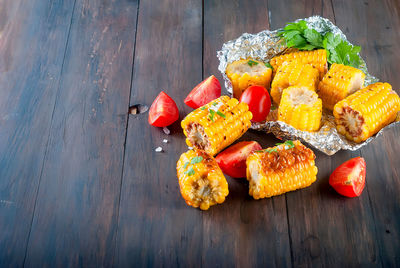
325, 228
252, 233
156, 227
31, 59
75, 220
379, 38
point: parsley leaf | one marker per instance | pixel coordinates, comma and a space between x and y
221, 114
202, 108
267, 64
190, 171
313, 37
211, 115
185, 165
251, 63
196, 159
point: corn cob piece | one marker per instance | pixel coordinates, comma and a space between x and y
339, 82
217, 124
280, 169
300, 108
245, 73
316, 58
364, 113
201, 181
293, 73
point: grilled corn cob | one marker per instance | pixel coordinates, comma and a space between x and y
300, 108
280, 169
316, 58
217, 124
245, 73
201, 181
293, 73
339, 82
364, 113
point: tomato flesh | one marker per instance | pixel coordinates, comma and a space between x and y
163, 112
232, 161
203, 93
348, 179
259, 101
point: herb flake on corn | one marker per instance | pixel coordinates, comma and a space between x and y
280, 169
364, 113
213, 131
201, 181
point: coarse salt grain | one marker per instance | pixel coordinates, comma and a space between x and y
158, 149
165, 141
166, 130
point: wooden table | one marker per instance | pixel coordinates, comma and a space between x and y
81, 184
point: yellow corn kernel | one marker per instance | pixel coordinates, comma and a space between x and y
280, 169
339, 82
300, 108
201, 181
364, 113
217, 124
245, 73
316, 58
293, 73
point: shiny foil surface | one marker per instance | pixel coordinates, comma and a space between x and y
265, 45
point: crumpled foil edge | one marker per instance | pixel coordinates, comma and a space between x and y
265, 45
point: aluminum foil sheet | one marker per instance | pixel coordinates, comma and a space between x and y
265, 45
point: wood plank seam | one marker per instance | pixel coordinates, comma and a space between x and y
48, 134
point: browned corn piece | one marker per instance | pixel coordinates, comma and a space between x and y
293, 73
300, 108
364, 113
245, 73
339, 82
201, 181
216, 125
316, 58
280, 169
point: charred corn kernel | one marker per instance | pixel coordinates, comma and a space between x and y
201, 181
339, 82
293, 73
300, 108
316, 58
280, 169
245, 73
217, 124
364, 113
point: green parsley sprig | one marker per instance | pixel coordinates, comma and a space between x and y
251, 63
213, 111
288, 145
195, 160
298, 35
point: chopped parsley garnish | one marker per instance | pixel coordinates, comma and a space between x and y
211, 115
202, 108
215, 104
268, 65
185, 165
221, 114
298, 35
288, 145
190, 171
196, 159
251, 63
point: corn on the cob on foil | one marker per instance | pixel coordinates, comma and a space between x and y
293, 73
300, 108
364, 113
339, 82
245, 73
280, 169
201, 181
316, 58
217, 124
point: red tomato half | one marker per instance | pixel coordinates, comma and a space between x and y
163, 112
232, 161
203, 93
259, 102
348, 179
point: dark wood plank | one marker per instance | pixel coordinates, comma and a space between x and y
156, 227
33, 37
241, 231
380, 40
325, 227
75, 220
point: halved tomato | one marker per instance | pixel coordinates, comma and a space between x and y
203, 93
163, 112
348, 179
257, 97
232, 161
